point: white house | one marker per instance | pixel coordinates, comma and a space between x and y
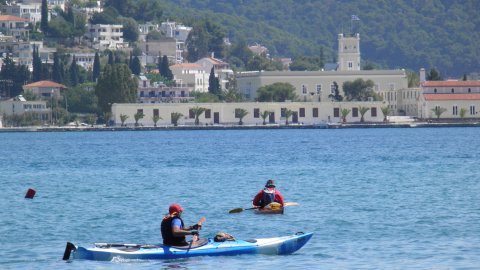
191, 75
106, 36
14, 26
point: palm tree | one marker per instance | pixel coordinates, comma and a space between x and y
362, 111
240, 113
197, 111
386, 112
345, 112
463, 111
106, 118
288, 113
123, 118
175, 117
139, 115
438, 111
264, 116
91, 119
155, 119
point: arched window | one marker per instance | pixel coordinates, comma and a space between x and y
453, 91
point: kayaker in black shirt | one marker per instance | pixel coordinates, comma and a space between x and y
173, 229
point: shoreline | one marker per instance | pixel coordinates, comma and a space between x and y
239, 127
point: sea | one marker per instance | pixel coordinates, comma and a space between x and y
375, 198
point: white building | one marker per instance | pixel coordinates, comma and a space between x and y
106, 36
348, 52
19, 106
161, 93
222, 70
84, 60
14, 26
192, 76
308, 113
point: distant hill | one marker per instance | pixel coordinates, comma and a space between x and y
409, 34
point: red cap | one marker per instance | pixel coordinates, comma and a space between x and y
175, 208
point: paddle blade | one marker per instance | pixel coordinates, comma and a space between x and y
235, 210
291, 204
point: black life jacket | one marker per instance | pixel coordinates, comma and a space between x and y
268, 196
167, 234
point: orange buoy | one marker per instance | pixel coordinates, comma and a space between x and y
30, 194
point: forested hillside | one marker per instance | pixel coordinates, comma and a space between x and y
410, 34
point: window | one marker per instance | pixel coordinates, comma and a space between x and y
336, 112
453, 91
208, 113
191, 115
315, 112
304, 89
435, 90
373, 111
140, 111
237, 113
256, 113
472, 110
354, 112
455, 110
469, 90
319, 89
156, 112
302, 112
350, 65
282, 112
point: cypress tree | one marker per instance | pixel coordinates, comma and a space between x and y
44, 17
111, 59
115, 85
136, 66
212, 83
37, 65
74, 72
57, 72
165, 70
96, 67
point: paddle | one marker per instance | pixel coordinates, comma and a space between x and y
199, 223
239, 210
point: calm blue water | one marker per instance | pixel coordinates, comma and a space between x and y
375, 198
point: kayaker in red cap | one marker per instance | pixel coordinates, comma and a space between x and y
173, 229
268, 195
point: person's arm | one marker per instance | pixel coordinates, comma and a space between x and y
178, 231
257, 198
279, 197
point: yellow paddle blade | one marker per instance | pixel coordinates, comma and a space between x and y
274, 206
235, 210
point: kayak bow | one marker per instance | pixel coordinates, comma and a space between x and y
207, 247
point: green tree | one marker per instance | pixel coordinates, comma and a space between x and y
136, 66
13, 76
111, 58
336, 93
137, 116
175, 116
44, 17
303, 63
232, 95
288, 114
123, 118
91, 119
197, 111
115, 85
155, 120
96, 67
57, 73
164, 68
81, 100
362, 110
37, 65
213, 84
130, 29
413, 79
438, 111
196, 43
74, 72
434, 75
240, 114
106, 118
385, 112
264, 116
463, 112
345, 113
277, 92
359, 90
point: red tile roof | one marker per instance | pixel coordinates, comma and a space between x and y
187, 66
11, 18
45, 84
451, 84
440, 97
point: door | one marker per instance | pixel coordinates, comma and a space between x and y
295, 117
216, 118
271, 118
